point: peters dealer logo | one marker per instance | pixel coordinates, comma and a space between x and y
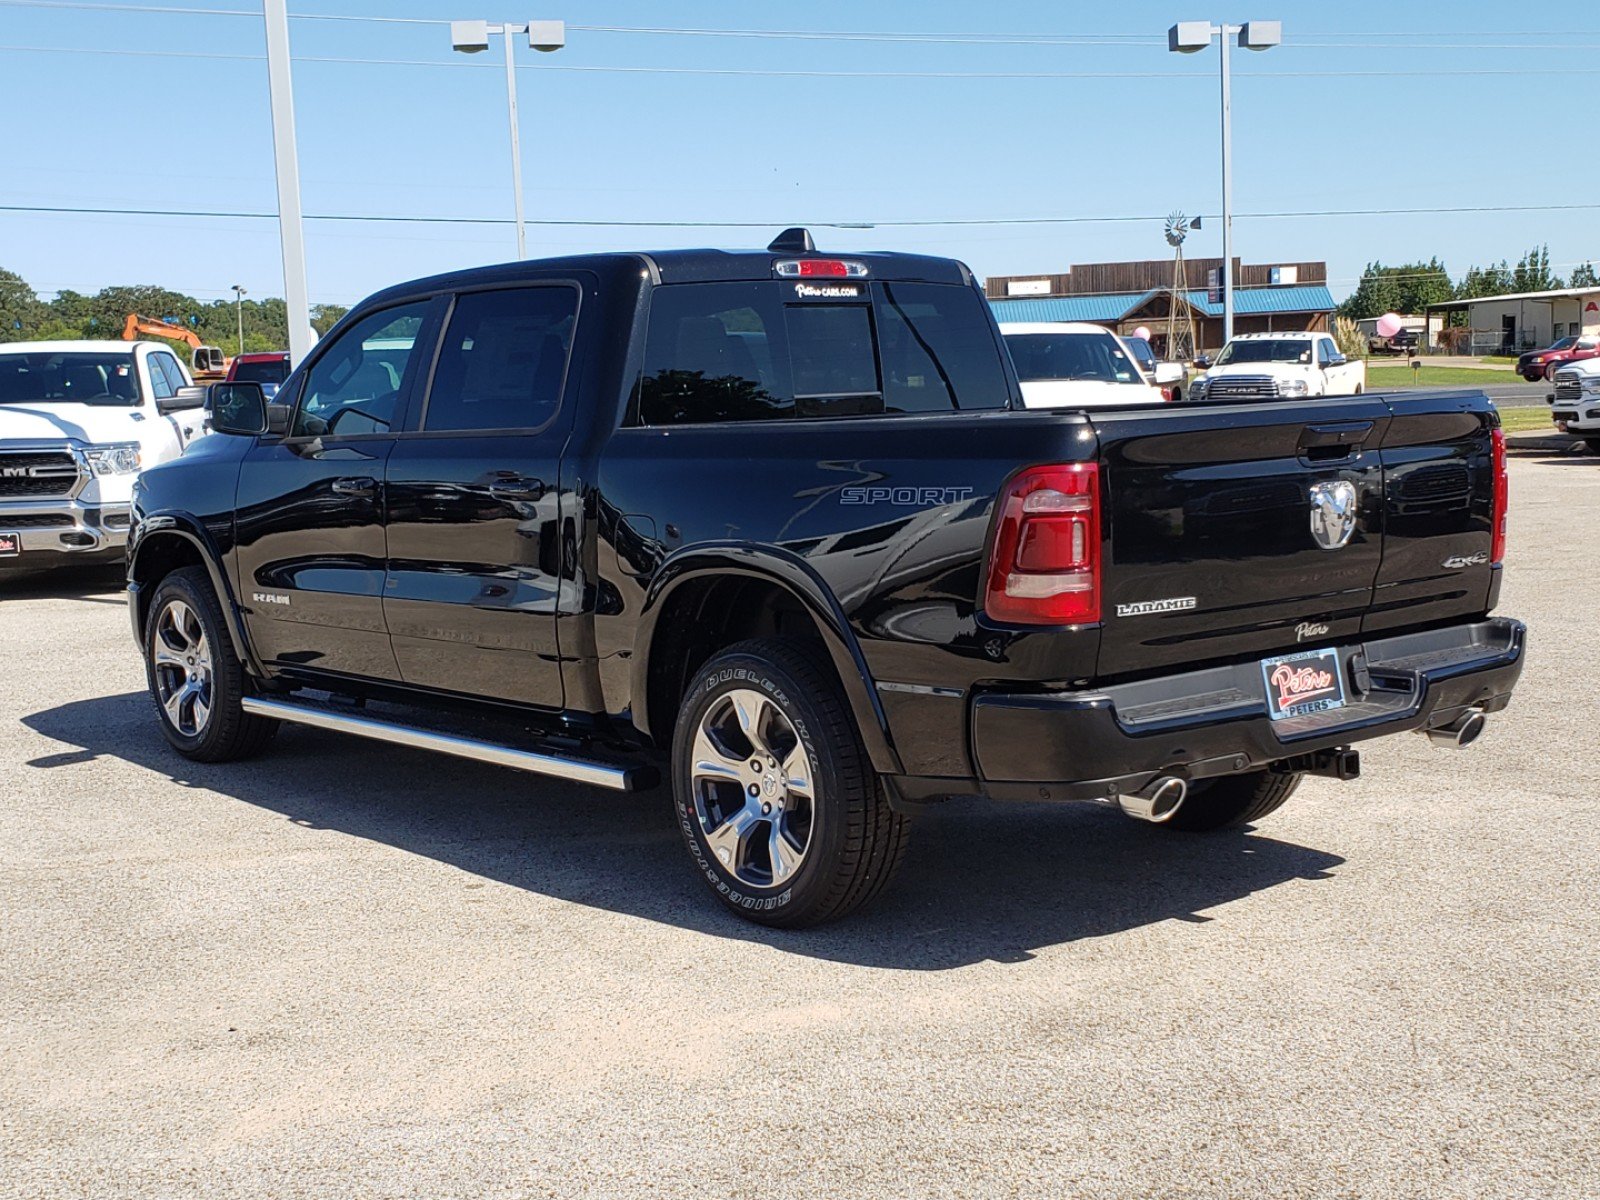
827, 291
1301, 687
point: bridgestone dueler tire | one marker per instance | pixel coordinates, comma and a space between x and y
1232, 800
230, 732
857, 841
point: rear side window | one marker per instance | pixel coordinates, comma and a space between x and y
503, 359
759, 351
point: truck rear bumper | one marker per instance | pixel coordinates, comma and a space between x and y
1094, 745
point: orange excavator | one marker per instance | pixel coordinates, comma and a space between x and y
207, 363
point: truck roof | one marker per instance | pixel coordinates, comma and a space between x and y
689, 266
1287, 334
100, 346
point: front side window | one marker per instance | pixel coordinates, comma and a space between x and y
1092, 357
68, 377
354, 386
167, 366
759, 351
503, 359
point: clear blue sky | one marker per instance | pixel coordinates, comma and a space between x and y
1367, 105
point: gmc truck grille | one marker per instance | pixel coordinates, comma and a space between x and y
1243, 387
1568, 387
26, 474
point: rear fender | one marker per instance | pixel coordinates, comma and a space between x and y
795, 577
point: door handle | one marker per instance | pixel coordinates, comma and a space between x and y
361, 488
1322, 442
517, 488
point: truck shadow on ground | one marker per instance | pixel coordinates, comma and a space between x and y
93, 585
982, 882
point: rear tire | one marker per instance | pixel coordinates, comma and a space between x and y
1232, 800
195, 678
781, 812
1593, 443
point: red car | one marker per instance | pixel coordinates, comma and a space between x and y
1542, 364
269, 370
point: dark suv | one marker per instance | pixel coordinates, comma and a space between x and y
774, 523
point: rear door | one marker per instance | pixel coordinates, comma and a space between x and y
1238, 531
475, 522
310, 509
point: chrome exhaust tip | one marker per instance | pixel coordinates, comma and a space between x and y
1156, 802
1461, 732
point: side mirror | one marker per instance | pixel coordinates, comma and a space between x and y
1203, 362
185, 398
1169, 373
237, 408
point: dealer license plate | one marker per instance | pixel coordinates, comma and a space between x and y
10, 545
1303, 683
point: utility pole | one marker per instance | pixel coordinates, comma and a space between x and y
238, 307
290, 230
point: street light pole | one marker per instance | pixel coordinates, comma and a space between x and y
471, 37
238, 307
516, 145
290, 231
1190, 37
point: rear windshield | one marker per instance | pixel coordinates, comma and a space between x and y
771, 350
1086, 356
68, 377
1281, 350
266, 370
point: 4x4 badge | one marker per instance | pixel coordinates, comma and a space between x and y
1333, 513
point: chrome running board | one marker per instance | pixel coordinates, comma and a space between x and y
618, 778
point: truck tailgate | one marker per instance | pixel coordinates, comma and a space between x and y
1246, 530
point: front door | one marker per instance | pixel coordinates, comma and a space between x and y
310, 505
474, 513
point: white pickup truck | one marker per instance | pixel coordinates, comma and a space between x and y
1575, 404
78, 421
1278, 366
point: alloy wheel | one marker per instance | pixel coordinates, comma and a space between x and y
753, 792
180, 658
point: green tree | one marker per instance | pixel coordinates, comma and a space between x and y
1584, 276
20, 310
1532, 272
1407, 288
325, 316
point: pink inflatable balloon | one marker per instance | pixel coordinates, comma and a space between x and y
1144, 334
1388, 325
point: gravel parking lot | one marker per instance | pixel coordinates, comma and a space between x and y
348, 970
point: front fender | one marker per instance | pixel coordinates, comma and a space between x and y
799, 580
145, 541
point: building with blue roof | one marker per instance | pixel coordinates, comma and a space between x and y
1130, 295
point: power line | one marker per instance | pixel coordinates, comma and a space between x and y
943, 222
1205, 76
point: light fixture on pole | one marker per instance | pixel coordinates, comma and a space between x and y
1190, 37
472, 37
238, 307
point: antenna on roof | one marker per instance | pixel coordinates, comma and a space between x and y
793, 241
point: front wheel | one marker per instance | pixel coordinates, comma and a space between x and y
195, 678
782, 813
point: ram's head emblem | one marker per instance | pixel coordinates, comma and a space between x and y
1333, 513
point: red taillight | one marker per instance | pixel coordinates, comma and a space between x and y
1166, 394
1502, 497
823, 266
1045, 565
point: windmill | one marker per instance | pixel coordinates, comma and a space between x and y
1180, 330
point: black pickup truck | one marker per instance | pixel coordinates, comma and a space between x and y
775, 523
